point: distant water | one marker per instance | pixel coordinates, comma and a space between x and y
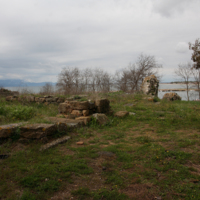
193, 94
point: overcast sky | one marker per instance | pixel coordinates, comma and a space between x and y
40, 37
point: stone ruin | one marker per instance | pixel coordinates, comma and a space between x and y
84, 108
150, 85
72, 115
30, 98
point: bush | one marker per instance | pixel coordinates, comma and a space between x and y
21, 112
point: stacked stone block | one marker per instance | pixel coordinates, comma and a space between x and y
84, 108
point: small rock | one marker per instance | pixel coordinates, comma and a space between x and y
103, 168
80, 143
131, 113
121, 114
54, 143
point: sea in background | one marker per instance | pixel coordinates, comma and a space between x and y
192, 94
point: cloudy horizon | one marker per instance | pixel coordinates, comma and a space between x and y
39, 38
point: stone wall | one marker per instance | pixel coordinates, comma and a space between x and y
31, 98
150, 85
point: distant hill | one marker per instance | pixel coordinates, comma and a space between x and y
20, 83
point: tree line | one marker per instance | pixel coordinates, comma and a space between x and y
72, 80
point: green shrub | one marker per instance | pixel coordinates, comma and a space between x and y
21, 112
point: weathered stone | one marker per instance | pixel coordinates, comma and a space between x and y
54, 143
77, 113
49, 99
37, 131
131, 113
150, 85
102, 119
64, 125
64, 108
9, 98
86, 120
86, 112
7, 131
171, 96
80, 143
60, 100
102, 102
37, 99
102, 105
121, 114
42, 100
79, 105
70, 116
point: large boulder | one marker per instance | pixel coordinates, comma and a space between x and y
101, 119
150, 85
171, 96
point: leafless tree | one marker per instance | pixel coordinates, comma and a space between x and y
74, 81
196, 76
184, 72
69, 80
121, 80
47, 89
131, 77
196, 53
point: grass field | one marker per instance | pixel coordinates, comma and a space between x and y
154, 154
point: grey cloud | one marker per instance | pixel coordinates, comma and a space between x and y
38, 38
170, 7
182, 47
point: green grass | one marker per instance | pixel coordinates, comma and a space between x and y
156, 149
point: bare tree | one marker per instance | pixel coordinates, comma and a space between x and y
196, 53
196, 76
47, 89
74, 81
131, 77
184, 72
69, 80
121, 80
